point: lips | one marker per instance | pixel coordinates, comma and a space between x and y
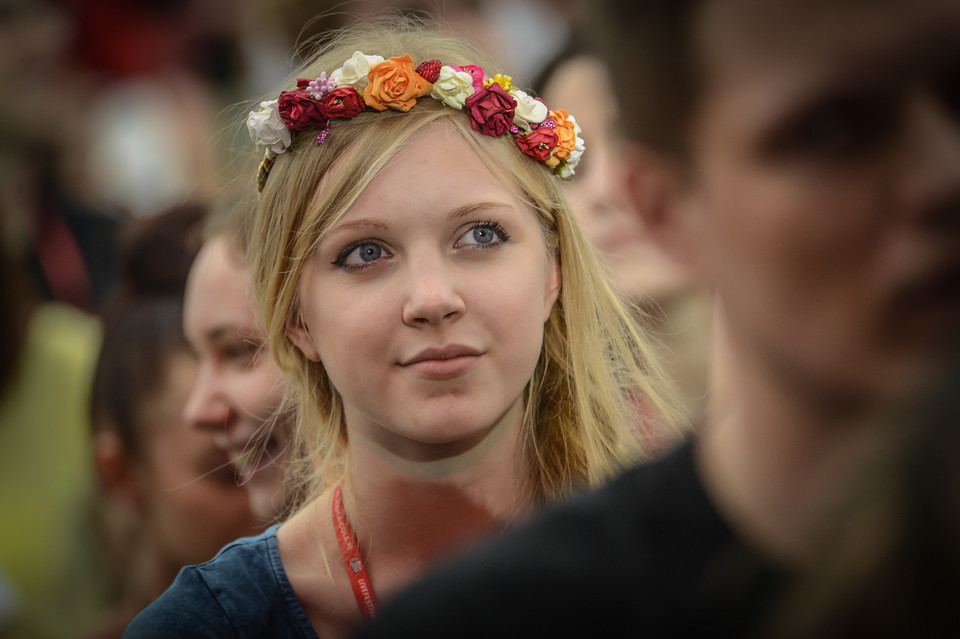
443, 363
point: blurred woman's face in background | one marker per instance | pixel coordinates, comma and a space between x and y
239, 387
597, 194
189, 497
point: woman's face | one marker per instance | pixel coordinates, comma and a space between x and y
825, 205
597, 194
239, 386
191, 501
426, 301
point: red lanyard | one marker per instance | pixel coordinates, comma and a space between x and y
362, 588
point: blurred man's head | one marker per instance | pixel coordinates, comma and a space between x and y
803, 157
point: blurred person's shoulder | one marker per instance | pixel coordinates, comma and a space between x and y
637, 553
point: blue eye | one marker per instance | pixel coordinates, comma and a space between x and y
368, 252
359, 255
484, 235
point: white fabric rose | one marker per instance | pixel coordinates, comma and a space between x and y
268, 129
452, 87
568, 169
529, 110
354, 71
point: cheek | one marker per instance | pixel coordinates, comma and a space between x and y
515, 302
350, 335
795, 228
801, 257
258, 392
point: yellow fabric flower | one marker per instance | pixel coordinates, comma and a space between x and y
504, 81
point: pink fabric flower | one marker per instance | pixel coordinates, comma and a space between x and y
475, 72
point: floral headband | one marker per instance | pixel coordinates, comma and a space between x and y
368, 82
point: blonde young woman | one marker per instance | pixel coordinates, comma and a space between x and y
457, 356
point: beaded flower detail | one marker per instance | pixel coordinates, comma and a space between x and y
368, 82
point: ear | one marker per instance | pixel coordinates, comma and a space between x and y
658, 194
115, 469
554, 281
299, 334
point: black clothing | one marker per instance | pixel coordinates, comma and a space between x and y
647, 555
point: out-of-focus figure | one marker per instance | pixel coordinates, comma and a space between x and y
55, 273
172, 495
51, 562
239, 391
676, 305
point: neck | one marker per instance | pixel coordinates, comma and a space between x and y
409, 514
771, 457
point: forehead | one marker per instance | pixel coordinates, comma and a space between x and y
218, 288
437, 164
744, 40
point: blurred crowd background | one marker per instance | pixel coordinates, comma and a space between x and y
120, 125
119, 107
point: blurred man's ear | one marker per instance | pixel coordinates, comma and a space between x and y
114, 469
657, 193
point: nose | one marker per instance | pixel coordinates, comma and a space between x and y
932, 191
207, 408
432, 296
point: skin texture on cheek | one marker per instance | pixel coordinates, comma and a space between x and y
192, 504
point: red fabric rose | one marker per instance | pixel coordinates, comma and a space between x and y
538, 143
491, 110
299, 111
344, 102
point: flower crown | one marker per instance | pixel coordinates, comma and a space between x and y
366, 82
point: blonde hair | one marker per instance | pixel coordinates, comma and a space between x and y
582, 422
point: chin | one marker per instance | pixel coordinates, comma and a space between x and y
267, 503
267, 495
466, 436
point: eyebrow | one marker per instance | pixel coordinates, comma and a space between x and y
460, 211
363, 222
226, 332
211, 336
217, 333
467, 209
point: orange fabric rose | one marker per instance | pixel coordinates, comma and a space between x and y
566, 134
395, 84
